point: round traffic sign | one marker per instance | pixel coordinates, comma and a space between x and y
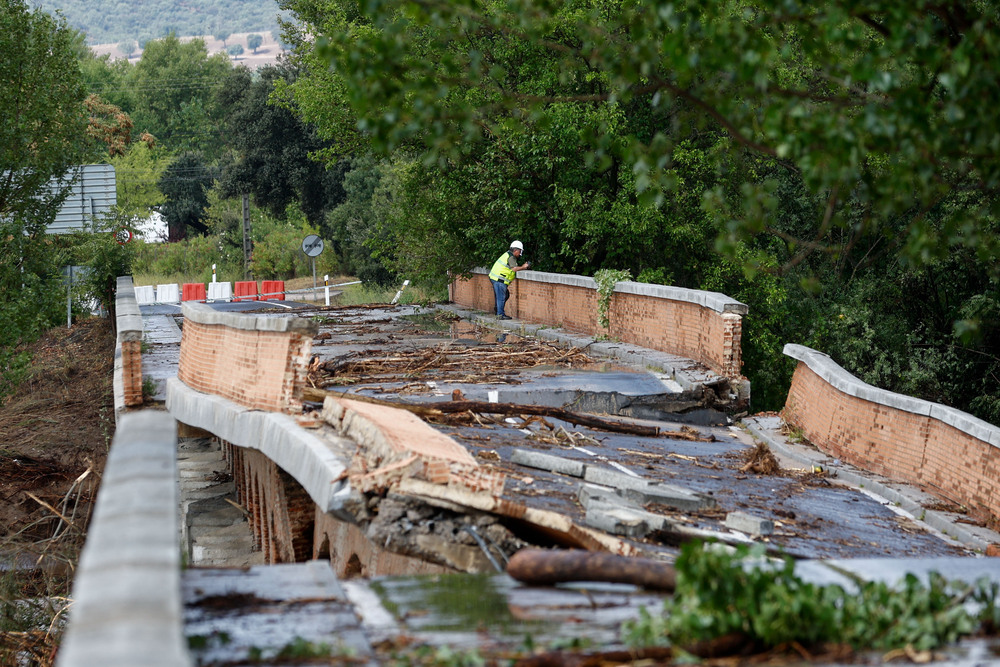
123, 235
312, 245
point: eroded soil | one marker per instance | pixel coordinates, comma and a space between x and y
55, 432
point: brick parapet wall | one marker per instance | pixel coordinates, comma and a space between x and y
128, 352
254, 361
949, 453
699, 325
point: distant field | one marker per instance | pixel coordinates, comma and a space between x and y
267, 52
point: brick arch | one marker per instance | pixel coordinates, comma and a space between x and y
353, 569
323, 551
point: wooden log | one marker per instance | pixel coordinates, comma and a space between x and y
482, 407
543, 567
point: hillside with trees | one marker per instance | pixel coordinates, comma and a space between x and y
831, 165
111, 22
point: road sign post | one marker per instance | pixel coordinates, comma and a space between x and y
312, 246
247, 241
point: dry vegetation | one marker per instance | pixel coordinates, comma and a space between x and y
54, 436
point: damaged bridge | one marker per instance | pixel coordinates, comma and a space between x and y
377, 442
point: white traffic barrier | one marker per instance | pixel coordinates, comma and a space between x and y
168, 294
145, 295
220, 291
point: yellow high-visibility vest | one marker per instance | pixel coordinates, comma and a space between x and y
501, 270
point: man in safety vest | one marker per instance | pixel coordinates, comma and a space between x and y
503, 272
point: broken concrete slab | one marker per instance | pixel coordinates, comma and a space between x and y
548, 462
589, 494
748, 523
618, 521
644, 491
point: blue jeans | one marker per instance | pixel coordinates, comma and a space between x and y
500, 293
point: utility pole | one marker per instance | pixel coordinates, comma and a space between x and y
247, 249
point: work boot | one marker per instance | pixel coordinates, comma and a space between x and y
502, 317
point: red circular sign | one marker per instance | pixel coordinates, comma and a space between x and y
123, 236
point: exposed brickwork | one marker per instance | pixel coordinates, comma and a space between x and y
394, 444
281, 512
352, 554
901, 445
677, 327
258, 369
132, 371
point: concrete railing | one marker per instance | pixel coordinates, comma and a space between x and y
127, 608
128, 348
695, 324
946, 451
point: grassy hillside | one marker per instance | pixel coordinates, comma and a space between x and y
110, 21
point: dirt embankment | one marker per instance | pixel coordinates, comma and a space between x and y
55, 432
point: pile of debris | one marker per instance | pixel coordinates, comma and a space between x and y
445, 362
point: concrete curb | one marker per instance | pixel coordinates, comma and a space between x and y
202, 313
127, 605
128, 324
869, 482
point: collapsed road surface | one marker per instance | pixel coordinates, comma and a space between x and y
688, 481
645, 491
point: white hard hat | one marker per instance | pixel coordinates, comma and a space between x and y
517, 244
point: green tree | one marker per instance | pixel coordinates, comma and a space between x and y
235, 50
45, 121
44, 133
106, 258
254, 41
137, 174
185, 184
174, 84
355, 224
878, 106
128, 48
274, 149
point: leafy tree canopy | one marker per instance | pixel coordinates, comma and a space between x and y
42, 102
185, 184
884, 110
174, 86
274, 148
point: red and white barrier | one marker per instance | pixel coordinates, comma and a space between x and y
246, 290
220, 291
145, 295
193, 292
169, 293
273, 290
